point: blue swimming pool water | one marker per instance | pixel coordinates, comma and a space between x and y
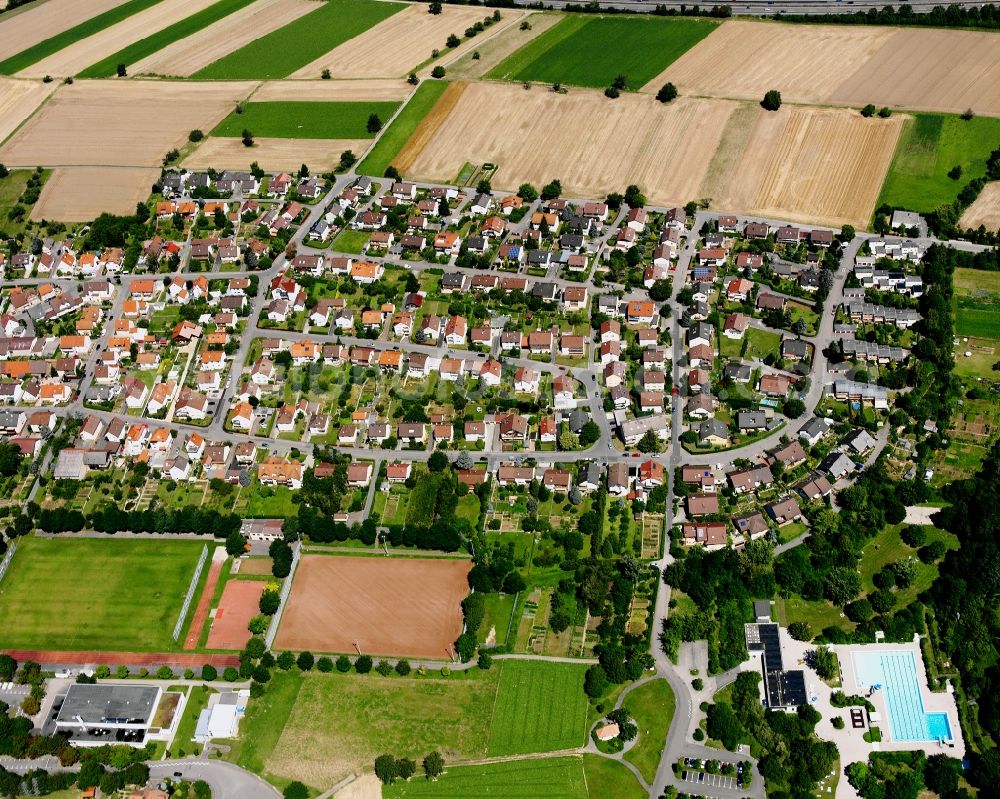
896, 673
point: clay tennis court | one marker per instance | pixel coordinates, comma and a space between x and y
387, 606
239, 603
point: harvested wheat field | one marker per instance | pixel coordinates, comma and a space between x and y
89, 51
80, 193
324, 91
744, 59
507, 40
120, 123
512, 19
18, 101
819, 165
19, 30
396, 45
930, 70
366, 786
386, 606
273, 155
592, 144
985, 210
229, 34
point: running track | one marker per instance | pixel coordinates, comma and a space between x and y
201, 611
173, 659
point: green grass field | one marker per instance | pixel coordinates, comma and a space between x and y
265, 719
139, 50
887, 547
287, 49
196, 702
608, 778
393, 139
977, 303
89, 27
540, 707
929, 146
592, 51
818, 614
101, 594
11, 189
652, 706
552, 778
305, 120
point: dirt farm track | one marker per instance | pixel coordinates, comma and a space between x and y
386, 606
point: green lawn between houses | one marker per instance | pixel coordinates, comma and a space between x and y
300, 42
465, 715
402, 127
155, 42
96, 593
89, 27
592, 51
928, 147
305, 120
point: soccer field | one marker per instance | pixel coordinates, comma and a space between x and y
95, 593
593, 51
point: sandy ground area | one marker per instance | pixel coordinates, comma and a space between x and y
89, 51
985, 210
119, 123
219, 152
19, 29
815, 165
334, 90
78, 194
917, 514
366, 786
387, 606
18, 100
396, 45
933, 70
239, 603
229, 34
745, 59
592, 144
492, 51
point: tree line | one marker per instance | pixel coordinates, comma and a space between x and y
112, 519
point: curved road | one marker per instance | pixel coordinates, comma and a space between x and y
226, 780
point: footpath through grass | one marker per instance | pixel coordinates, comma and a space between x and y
592, 51
929, 146
540, 707
295, 119
155, 42
652, 706
89, 27
287, 49
402, 127
96, 593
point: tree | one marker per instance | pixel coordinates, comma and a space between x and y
385, 768
941, 774
304, 661
453, 42
660, 290
269, 602
247, 137
612, 92
363, 664
434, 8
649, 443
529, 194
121, 71
551, 190
868, 110
405, 768
634, 198
595, 682
826, 663
347, 160
794, 408
412, 79
913, 536
10, 458
236, 544
841, 585
955, 172
771, 101
433, 765
295, 790
884, 112
374, 123
438, 461
484, 186
209, 672
196, 135
800, 631
620, 81
667, 93
437, 72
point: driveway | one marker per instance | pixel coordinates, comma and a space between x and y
226, 780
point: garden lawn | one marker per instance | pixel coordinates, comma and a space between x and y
54, 44
592, 51
977, 304
423, 499
499, 609
607, 778
818, 614
96, 593
305, 120
402, 127
540, 707
287, 49
278, 504
652, 706
196, 702
139, 50
761, 343
928, 147
351, 241
468, 509
11, 189
553, 778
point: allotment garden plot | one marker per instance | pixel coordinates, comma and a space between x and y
96, 594
384, 606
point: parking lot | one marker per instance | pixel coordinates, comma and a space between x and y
705, 780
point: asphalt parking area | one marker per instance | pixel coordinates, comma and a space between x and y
711, 780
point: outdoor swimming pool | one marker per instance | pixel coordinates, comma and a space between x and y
896, 673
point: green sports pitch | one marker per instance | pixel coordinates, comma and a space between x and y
294, 119
96, 593
593, 51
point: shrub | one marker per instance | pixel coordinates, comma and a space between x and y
343, 664
324, 664
363, 664
771, 101
437, 72
868, 110
402, 667
667, 93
